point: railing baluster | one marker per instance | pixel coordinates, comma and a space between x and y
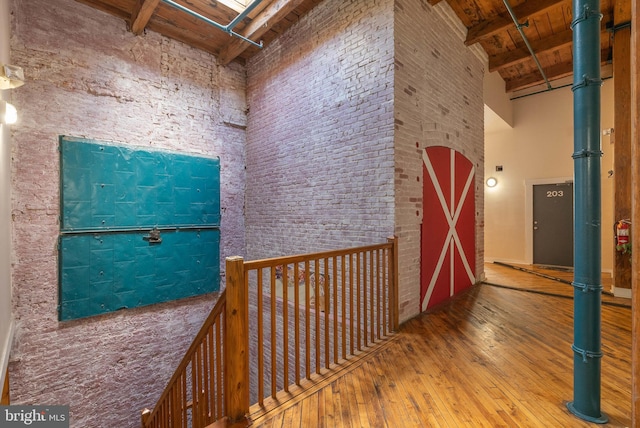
173, 406
185, 399
211, 417
296, 314
365, 282
358, 306
202, 390
221, 409
351, 304
194, 395
371, 295
385, 290
327, 305
335, 310
260, 344
285, 327
378, 303
307, 308
274, 342
360, 287
343, 315
205, 376
320, 286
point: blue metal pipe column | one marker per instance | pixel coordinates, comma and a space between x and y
587, 282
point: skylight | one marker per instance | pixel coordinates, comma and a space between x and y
237, 5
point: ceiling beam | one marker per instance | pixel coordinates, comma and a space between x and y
520, 55
557, 71
262, 23
108, 8
523, 11
141, 14
549, 44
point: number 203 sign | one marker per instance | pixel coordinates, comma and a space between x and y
555, 193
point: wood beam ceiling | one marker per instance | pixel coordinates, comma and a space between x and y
542, 46
551, 37
557, 71
142, 12
262, 23
517, 56
502, 22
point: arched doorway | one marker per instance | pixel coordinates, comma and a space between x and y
448, 244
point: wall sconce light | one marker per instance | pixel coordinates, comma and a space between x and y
492, 182
9, 113
11, 76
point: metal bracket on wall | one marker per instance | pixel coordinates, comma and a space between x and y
612, 28
153, 237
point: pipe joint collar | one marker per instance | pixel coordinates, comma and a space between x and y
586, 354
587, 81
587, 154
587, 288
587, 13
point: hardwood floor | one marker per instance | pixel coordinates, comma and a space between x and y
491, 357
521, 277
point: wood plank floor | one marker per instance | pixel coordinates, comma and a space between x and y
521, 277
491, 357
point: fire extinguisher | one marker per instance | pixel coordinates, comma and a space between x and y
622, 236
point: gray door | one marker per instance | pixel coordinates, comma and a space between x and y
553, 224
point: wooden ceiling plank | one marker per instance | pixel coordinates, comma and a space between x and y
170, 30
555, 41
500, 23
508, 59
557, 71
141, 14
269, 17
108, 7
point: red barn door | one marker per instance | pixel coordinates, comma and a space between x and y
448, 229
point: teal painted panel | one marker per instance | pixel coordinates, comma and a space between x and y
111, 197
104, 272
111, 187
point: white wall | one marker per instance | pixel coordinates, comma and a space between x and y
6, 319
496, 99
538, 147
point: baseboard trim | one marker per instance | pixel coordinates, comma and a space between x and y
621, 292
4, 356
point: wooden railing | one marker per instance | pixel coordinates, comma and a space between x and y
284, 320
194, 395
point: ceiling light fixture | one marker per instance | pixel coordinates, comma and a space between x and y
11, 76
492, 182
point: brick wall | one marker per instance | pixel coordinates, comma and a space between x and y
87, 76
319, 143
320, 132
339, 115
438, 101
